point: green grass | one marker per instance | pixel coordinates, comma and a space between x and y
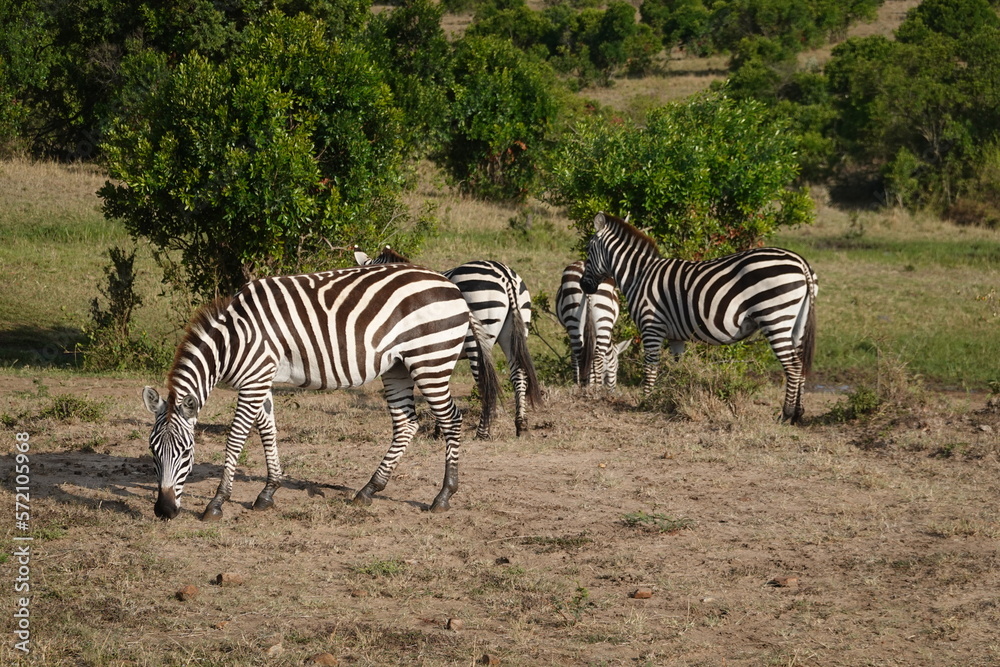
917, 289
53, 243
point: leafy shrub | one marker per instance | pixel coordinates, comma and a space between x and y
65, 407
111, 343
891, 391
410, 45
704, 177
862, 402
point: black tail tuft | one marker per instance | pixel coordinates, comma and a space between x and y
488, 380
588, 351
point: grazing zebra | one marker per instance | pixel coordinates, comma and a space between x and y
319, 331
499, 299
719, 301
589, 319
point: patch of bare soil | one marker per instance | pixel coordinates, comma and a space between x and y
607, 536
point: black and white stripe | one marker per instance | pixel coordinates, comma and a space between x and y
719, 301
335, 329
589, 320
500, 300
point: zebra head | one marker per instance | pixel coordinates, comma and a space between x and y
172, 444
598, 264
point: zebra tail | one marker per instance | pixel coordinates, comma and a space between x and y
519, 348
588, 352
808, 346
488, 380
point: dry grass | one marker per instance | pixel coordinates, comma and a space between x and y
894, 548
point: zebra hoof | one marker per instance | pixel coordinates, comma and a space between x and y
263, 503
362, 499
440, 506
212, 513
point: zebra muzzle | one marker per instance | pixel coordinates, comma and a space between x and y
166, 506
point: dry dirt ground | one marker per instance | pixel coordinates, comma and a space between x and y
884, 532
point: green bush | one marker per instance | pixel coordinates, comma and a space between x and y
503, 108
704, 177
256, 165
65, 407
915, 112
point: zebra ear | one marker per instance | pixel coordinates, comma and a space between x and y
628, 215
189, 407
151, 399
623, 345
361, 258
600, 222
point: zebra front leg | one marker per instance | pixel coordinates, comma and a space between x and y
268, 436
248, 406
399, 395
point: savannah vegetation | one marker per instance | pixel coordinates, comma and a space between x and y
195, 124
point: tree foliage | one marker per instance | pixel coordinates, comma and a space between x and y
590, 45
707, 176
919, 111
410, 46
250, 165
502, 108
705, 27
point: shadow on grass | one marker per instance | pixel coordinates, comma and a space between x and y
29, 345
132, 480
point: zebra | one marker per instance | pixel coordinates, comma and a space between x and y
588, 320
334, 329
500, 300
719, 301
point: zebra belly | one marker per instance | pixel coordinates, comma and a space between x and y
294, 374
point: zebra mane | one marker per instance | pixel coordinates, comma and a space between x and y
196, 328
634, 232
390, 256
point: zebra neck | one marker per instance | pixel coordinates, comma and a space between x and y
197, 369
629, 279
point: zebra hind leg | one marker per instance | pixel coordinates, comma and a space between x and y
792, 410
451, 426
399, 396
268, 435
438, 395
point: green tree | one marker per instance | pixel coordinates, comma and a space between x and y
250, 166
503, 106
25, 59
955, 19
411, 47
708, 176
